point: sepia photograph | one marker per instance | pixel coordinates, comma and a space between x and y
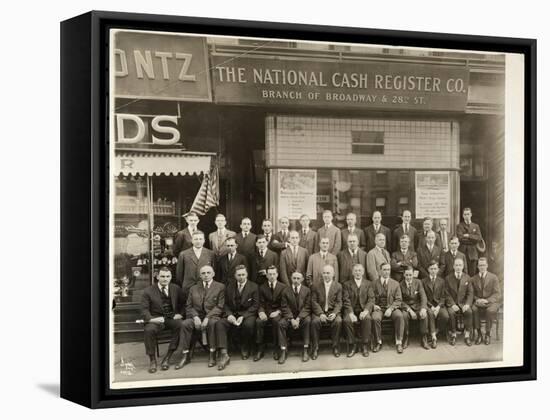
286, 209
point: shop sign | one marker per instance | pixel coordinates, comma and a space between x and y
433, 194
365, 84
160, 66
161, 130
297, 193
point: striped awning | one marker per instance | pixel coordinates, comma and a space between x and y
153, 162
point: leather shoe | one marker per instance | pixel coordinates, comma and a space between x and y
223, 361
282, 357
468, 341
314, 354
153, 366
165, 364
259, 355
479, 338
425, 342
377, 347
245, 354
452, 340
487, 339
352, 350
406, 342
305, 355
434, 343
399, 348
365, 350
212, 359
185, 360
276, 354
336, 351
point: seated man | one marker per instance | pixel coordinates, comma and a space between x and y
240, 311
403, 258
387, 303
486, 300
460, 296
358, 295
271, 298
414, 306
162, 306
326, 304
296, 314
436, 296
205, 304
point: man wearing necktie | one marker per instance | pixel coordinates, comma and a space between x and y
262, 259
414, 306
402, 258
270, 309
376, 228
296, 307
352, 229
443, 235
460, 295
308, 237
228, 263
486, 300
328, 230
405, 228
376, 256
427, 226
317, 262
246, 240
387, 304
293, 258
281, 239
469, 235
350, 256
272, 242
436, 296
448, 258
428, 252
218, 239
184, 238
205, 304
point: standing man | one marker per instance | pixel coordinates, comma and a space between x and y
443, 235
272, 242
373, 230
326, 304
261, 260
228, 263
190, 261
486, 300
469, 236
281, 238
460, 296
293, 258
405, 228
414, 306
352, 229
387, 304
296, 314
328, 230
246, 240
308, 237
358, 296
271, 299
376, 256
436, 297
205, 305
184, 238
317, 262
427, 253
427, 227
448, 258
350, 256
403, 258
162, 307
242, 300
218, 239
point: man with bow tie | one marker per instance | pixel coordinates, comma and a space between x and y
376, 228
428, 252
242, 300
376, 256
460, 296
190, 261
328, 230
403, 258
405, 228
387, 304
262, 259
436, 298
308, 237
270, 309
296, 307
448, 258
352, 229
358, 297
486, 300
414, 306
227, 264
204, 308
317, 262
293, 258
350, 256
184, 238
218, 239
469, 235
246, 240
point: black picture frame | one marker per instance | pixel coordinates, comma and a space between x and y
84, 210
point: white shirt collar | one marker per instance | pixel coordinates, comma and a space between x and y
160, 287
274, 284
241, 285
404, 251
358, 282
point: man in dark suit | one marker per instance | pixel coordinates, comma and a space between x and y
414, 306
403, 258
270, 309
427, 226
376, 256
358, 297
246, 240
191, 260
317, 262
296, 307
405, 228
162, 307
469, 236
351, 220
486, 300
448, 258
444, 235
282, 237
184, 238
387, 304
293, 258
229, 262
218, 238
204, 308
460, 296
436, 298
261, 260
372, 230
308, 237
326, 305
350, 256
242, 300
272, 242
328, 230
427, 253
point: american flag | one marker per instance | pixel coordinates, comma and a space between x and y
209, 193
